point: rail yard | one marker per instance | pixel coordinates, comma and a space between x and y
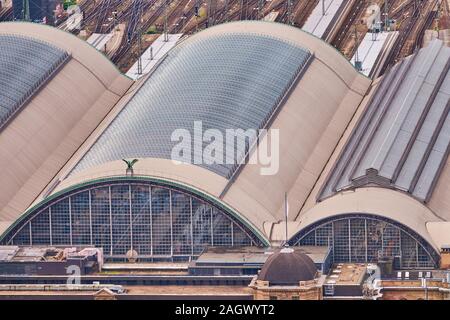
142, 21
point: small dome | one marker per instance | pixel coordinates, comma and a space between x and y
288, 267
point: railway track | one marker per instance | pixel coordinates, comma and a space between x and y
401, 40
182, 19
345, 32
177, 17
89, 9
134, 14
399, 11
131, 36
282, 8
248, 10
420, 16
133, 23
274, 5
96, 14
432, 15
185, 14
220, 16
103, 15
303, 11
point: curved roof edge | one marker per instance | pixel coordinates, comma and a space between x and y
188, 175
375, 201
429, 247
86, 54
322, 50
400, 140
200, 193
227, 81
200, 178
440, 233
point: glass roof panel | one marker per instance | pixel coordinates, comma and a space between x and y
231, 81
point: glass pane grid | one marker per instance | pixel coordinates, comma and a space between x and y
232, 81
25, 64
151, 220
367, 240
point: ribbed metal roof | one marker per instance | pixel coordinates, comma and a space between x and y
229, 81
402, 141
24, 65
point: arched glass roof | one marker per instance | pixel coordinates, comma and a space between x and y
365, 238
157, 220
228, 82
24, 65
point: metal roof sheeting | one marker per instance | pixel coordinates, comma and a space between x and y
402, 140
226, 81
24, 65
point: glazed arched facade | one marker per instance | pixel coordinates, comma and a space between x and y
366, 238
155, 220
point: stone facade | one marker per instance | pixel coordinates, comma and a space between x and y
306, 290
445, 259
414, 290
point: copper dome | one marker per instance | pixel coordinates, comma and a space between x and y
288, 267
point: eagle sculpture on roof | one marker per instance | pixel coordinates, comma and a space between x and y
129, 163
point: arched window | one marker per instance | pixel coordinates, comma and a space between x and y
154, 221
366, 238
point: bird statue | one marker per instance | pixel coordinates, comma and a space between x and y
130, 165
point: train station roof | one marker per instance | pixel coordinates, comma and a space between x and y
87, 117
26, 64
402, 140
54, 89
242, 75
231, 81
